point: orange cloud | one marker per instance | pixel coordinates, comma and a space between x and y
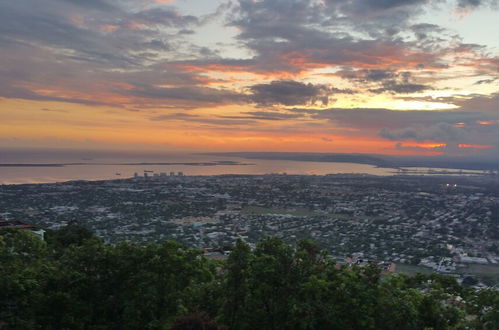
228, 68
474, 146
135, 25
109, 28
77, 20
302, 60
487, 122
99, 125
424, 145
214, 68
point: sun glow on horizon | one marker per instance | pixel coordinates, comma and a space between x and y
250, 75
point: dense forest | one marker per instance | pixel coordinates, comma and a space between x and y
73, 280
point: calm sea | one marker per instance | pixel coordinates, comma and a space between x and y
111, 165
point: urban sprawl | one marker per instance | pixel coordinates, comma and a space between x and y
443, 224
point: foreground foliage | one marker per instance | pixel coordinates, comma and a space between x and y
74, 280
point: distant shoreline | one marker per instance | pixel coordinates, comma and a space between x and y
381, 161
216, 163
421, 175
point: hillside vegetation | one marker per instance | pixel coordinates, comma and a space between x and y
74, 280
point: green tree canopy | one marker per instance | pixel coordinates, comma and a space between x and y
76, 281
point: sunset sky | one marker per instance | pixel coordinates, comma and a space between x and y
361, 76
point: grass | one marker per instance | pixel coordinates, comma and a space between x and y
481, 269
489, 274
255, 210
412, 269
301, 212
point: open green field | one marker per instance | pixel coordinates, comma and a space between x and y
489, 274
481, 269
264, 210
301, 212
412, 269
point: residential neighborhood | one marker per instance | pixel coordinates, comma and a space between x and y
441, 223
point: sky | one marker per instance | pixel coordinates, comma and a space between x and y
401, 77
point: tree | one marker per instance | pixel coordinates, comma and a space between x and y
68, 235
195, 321
88, 284
22, 256
237, 269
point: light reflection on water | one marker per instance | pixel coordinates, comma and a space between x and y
17, 175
